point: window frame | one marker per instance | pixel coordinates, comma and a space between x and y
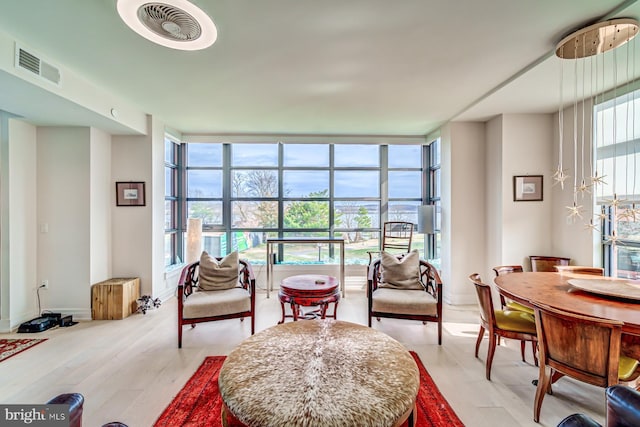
228, 198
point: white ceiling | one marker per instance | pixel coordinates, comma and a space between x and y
357, 67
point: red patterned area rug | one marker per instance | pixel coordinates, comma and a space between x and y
11, 347
199, 402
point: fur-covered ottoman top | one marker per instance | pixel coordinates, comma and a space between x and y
319, 373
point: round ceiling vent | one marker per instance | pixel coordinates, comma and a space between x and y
177, 24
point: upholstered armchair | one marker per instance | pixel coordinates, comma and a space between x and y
405, 287
75, 401
216, 288
623, 410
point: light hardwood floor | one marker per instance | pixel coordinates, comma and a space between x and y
129, 370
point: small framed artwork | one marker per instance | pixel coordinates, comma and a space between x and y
129, 193
527, 188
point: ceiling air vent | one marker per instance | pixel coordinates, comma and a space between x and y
31, 62
169, 22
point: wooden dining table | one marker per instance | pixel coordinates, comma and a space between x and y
554, 290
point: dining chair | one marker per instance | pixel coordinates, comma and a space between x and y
547, 263
579, 269
396, 238
514, 305
511, 305
581, 347
516, 325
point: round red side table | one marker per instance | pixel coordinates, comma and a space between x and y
309, 290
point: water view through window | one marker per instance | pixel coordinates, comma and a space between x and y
303, 190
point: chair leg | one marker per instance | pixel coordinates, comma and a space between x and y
522, 344
479, 340
533, 351
439, 331
490, 353
179, 335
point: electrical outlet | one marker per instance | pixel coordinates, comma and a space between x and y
44, 284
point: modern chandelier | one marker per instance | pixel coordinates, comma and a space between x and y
595, 61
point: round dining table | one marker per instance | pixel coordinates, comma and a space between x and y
554, 290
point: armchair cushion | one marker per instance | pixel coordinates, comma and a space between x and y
402, 301
218, 275
401, 272
216, 303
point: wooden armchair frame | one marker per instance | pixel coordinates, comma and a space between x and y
189, 282
431, 281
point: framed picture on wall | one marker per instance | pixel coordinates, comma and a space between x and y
527, 188
130, 194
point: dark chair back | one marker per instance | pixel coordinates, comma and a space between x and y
547, 263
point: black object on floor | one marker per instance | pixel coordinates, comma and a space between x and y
38, 324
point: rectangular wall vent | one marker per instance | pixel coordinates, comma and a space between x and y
31, 62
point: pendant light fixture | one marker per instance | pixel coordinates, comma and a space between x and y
591, 64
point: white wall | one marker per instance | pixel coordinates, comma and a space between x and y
571, 238
63, 165
463, 208
5, 286
132, 236
21, 190
101, 194
494, 196
527, 150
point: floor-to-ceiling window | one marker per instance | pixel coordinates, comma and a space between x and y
433, 198
617, 136
172, 223
248, 192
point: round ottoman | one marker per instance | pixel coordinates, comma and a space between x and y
319, 373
